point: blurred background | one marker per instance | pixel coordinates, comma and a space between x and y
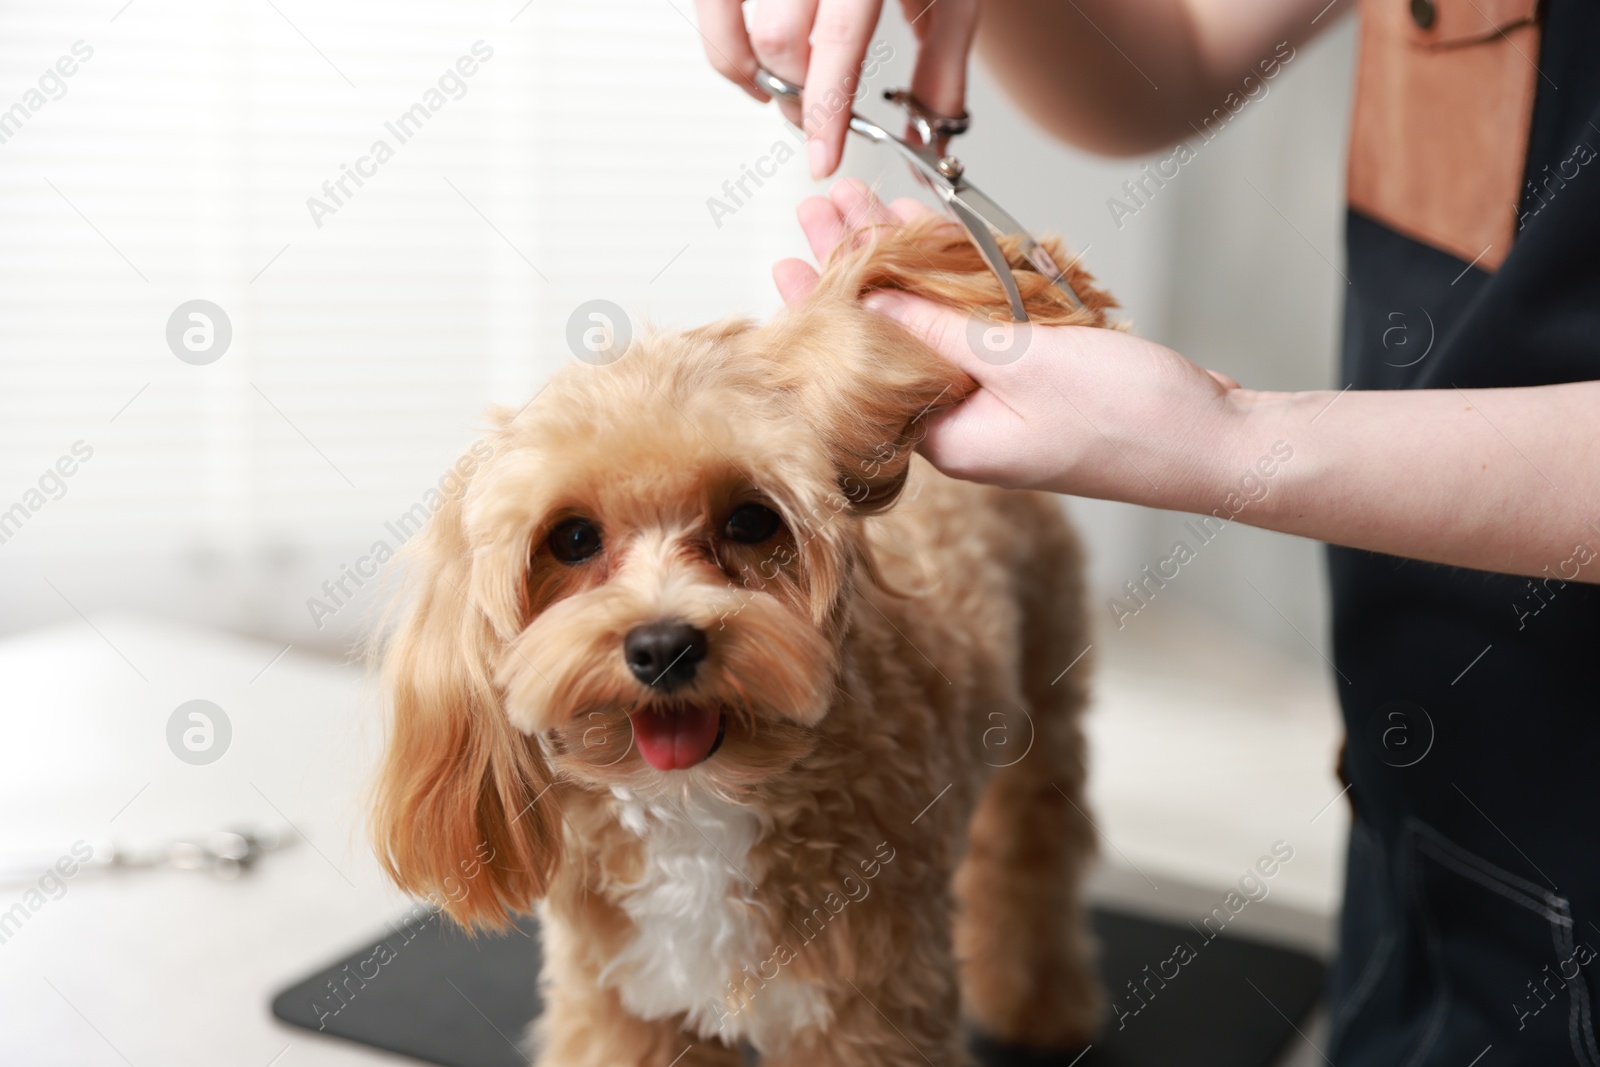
215, 495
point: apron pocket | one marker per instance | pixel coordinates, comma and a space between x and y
1503, 962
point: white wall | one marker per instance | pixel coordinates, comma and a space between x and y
577, 165
178, 164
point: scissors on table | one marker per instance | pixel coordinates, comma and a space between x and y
982, 218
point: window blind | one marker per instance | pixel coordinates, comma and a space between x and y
533, 157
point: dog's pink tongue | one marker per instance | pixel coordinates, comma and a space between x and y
675, 740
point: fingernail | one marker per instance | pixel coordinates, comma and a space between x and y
817, 156
889, 304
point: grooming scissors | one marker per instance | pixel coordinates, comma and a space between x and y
982, 218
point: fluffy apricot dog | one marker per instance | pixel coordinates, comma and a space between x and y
765, 716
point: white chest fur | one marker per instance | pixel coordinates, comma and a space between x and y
700, 926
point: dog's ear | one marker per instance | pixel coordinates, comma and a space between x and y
932, 257
864, 384
863, 381
459, 817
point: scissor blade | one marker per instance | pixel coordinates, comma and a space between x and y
998, 219
979, 203
978, 231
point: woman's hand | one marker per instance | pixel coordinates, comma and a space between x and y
821, 44
1071, 409
1498, 479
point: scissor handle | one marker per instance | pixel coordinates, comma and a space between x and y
777, 86
923, 159
944, 174
930, 125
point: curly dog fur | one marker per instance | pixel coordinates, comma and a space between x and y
888, 833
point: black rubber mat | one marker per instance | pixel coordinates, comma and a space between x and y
430, 992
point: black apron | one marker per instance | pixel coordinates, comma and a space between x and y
1471, 923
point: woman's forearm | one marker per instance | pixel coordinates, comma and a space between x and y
1072, 80
1501, 480
1122, 77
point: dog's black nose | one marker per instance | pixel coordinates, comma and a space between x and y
664, 654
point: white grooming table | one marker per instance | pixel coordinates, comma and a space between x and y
1201, 761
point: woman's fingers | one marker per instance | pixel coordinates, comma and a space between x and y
850, 206
821, 44
839, 38
828, 221
780, 33
906, 209
945, 30
823, 225
795, 279
727, 43
859, 207
960, 440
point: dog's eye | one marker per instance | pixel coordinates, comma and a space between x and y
574, 541
751, 524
